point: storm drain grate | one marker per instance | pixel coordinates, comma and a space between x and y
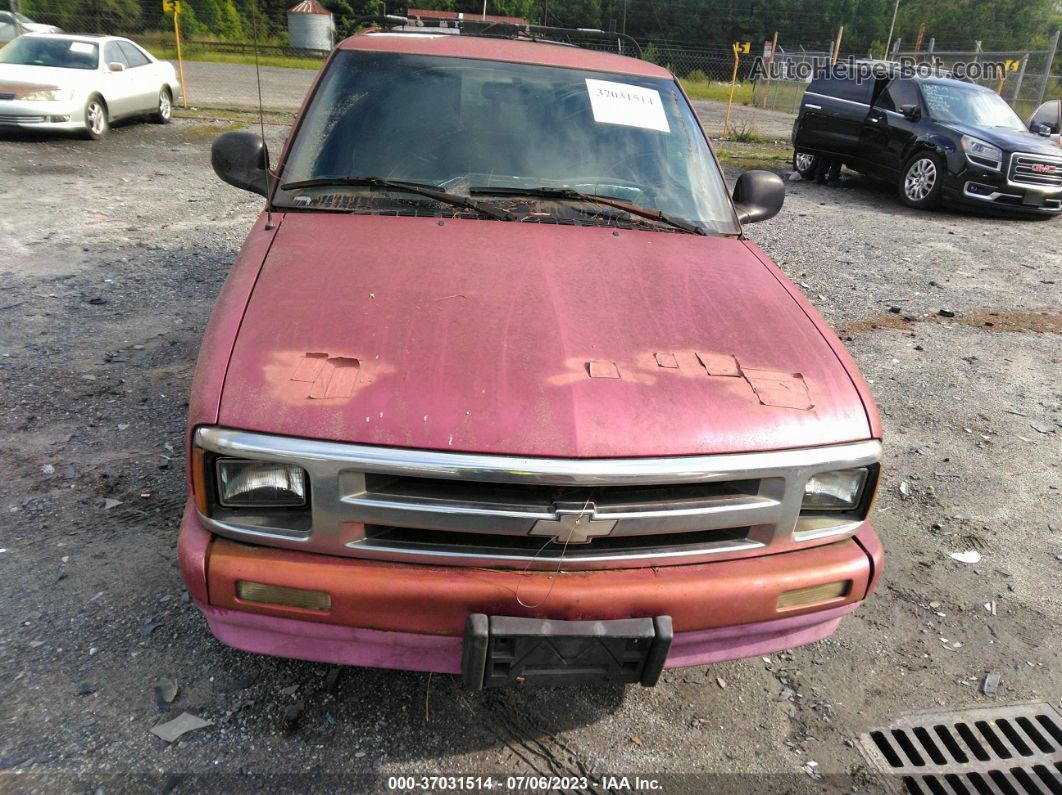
1008, 750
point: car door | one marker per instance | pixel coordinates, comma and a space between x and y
1050, 114
117, 83
833, 110
144, 82
886, 133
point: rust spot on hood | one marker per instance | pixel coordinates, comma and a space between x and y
721, 364
599, 368
784, 390
336, 378
309, 367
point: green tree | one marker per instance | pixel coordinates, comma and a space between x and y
218, 18
94, 16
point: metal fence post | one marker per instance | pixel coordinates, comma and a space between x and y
1047, 69
1021, 76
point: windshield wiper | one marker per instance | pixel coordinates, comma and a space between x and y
575, 195
431, 191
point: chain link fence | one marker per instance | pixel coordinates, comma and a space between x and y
220, 69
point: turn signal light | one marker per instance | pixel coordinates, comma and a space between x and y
283, 596
814, 593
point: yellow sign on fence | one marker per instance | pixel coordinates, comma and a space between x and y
742, 47
171, 7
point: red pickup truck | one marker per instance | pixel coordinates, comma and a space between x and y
498, 387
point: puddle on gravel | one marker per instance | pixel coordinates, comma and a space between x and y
1041, 321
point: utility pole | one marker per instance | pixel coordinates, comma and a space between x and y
484, 10
892, 27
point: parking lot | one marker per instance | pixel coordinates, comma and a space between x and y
111, 256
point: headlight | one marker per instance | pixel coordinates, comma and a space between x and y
49, 94
260, 484
841, 490
982, 153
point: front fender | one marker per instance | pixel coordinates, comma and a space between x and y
939, 145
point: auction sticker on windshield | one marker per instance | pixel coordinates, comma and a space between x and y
632, 106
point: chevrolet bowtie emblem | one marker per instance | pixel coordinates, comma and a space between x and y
575, 525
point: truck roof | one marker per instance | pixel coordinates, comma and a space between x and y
502, 49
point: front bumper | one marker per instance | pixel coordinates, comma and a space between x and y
413, 617
991, 190
45, 116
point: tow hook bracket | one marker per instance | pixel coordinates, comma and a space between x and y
507, 651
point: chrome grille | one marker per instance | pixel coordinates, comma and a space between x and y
500, 511
1039, 170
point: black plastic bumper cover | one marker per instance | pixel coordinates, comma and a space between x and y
504, 651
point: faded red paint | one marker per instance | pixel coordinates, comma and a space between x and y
477, 336
519, 339
505, 50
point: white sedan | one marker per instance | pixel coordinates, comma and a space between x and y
51, 81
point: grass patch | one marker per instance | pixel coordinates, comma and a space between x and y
745, 133
208, 130
244, 117
715, 90
768, 158
203, 54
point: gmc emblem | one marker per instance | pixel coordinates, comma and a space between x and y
1043, 168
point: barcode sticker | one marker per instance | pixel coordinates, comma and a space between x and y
631, 106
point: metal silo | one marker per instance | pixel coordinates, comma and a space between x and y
310, 26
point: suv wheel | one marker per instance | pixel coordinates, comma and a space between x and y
922, 181
804, 164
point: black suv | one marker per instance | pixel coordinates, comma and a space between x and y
935, 138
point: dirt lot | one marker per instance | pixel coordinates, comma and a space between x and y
111, 255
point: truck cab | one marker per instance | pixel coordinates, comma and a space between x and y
498, 387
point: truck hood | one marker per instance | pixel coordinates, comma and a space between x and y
530, 339
1010, 140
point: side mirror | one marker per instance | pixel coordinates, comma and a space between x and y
758, 195
1040, 129
116, 67
239, 158
911, 112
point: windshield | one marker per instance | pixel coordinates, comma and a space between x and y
469, 126
974, 106
63, 53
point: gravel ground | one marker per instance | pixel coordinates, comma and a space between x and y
224, 85
111, 255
